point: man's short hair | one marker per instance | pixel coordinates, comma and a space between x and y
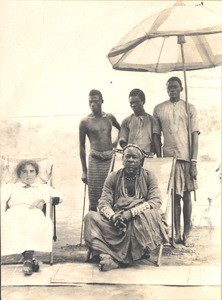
95, 93
138, 93
174, 78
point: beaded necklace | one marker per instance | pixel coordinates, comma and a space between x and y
128, 192
130, 178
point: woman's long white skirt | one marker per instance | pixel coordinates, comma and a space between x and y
25, 229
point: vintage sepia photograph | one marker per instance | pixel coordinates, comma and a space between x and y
110, 149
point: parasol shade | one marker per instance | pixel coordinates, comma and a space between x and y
152, 45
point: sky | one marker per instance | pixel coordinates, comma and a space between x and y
53, 52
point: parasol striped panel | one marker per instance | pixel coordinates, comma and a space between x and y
153, 45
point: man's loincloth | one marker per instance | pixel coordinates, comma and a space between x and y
182, 179
98, 168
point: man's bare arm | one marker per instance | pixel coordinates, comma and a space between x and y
82, 150
157, 144
194, 150
115, 123
117, 126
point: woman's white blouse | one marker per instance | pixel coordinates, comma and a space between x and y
18, 194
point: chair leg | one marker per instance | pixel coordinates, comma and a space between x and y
158, 263
88, 255
51, 258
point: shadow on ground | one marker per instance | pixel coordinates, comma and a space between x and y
206, 251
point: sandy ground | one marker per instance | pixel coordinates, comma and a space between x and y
206, 251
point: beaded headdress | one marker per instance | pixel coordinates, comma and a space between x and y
134, 146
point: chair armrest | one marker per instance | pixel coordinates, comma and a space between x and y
55, 201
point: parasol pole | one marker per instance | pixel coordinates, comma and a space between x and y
181, 41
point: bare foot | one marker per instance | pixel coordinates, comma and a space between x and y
107, 263
187, 242
177, 240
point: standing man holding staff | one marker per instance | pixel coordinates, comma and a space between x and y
171, 119
97, 126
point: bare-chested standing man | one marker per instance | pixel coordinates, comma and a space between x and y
98, 127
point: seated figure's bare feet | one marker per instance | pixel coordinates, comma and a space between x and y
107, 263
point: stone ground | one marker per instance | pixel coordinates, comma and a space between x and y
117, 292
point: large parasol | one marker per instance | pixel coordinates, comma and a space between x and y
177, 38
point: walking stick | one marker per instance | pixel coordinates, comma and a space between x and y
55, 201
113, 160
54, 213
83, 212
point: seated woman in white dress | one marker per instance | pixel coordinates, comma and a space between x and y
25, 228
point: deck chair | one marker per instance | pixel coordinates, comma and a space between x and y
7, 168
164, 169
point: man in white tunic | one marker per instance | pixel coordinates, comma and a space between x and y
171, 119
